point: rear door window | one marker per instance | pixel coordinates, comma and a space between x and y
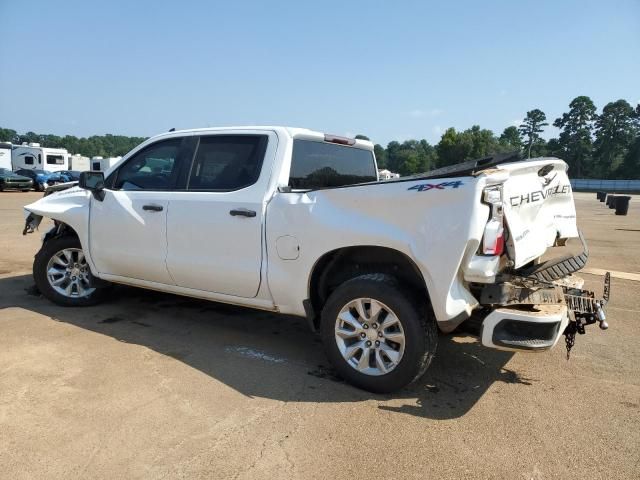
227, 162
322, 165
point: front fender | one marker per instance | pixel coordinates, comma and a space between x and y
70, 207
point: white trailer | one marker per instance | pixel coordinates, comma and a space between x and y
34, 157
103, 164
79, 163
5, 155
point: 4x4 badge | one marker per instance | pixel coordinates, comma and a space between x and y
436, 186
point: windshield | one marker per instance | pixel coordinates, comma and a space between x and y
42, 172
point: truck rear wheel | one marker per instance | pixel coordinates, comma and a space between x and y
375, 335
62, 274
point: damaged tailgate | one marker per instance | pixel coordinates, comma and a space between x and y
538, 207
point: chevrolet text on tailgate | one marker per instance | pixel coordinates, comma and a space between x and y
297, 222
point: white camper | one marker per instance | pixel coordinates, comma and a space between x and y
103, 164
5, 155
79, 163
34, 157
387, 175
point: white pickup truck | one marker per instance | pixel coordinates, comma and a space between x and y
295, 221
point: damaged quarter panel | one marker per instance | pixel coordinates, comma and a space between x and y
69, 206
439, 227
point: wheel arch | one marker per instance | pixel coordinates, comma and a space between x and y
60, 229
339, 265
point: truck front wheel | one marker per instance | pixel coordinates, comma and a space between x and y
63, 276
376, 336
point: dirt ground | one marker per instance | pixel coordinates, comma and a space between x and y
149, 385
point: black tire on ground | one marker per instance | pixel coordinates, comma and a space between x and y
49, 249
26, 189
421, 331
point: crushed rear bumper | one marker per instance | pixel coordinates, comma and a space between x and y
528, 315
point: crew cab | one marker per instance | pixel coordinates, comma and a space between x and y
295, 221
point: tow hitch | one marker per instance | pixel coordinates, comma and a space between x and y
584, 310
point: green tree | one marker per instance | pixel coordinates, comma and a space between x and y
531, 128
361, 137
553, 148
483, 141
8, 135
510, 139
575, 136
615, 130
630, 168
381, 155
412, 156
475, 142
453, 147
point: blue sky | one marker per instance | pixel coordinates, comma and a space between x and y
390, 70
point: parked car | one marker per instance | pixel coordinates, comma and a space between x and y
11, 181
297, 222
72, 175
59, 177
39, 177
43, 178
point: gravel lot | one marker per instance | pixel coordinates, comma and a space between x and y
151, 385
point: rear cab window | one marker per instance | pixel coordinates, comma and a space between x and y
316, 165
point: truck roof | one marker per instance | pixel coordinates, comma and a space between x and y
293, 132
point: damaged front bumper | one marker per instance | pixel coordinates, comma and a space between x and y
31, 223
529, 315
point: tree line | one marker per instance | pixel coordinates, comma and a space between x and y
595, 145
98, 145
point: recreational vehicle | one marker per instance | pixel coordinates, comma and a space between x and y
34, 157
103, 164
5, 155
79, 163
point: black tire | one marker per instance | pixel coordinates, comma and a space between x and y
49, 249
418, 323
26, 189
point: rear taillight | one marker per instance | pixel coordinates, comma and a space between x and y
493, 238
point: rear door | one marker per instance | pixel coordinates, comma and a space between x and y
215, 224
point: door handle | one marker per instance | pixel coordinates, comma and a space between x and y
153, 208
242, 212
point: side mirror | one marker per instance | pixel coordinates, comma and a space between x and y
94, 182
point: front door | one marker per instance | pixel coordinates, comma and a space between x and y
128, 228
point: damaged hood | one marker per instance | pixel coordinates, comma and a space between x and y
69, 206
